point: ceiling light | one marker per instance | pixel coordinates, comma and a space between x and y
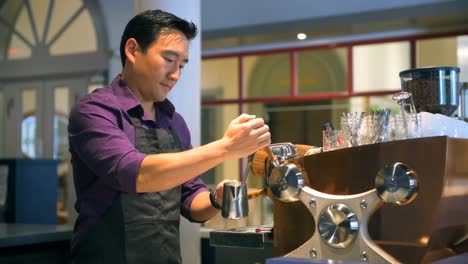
301, 36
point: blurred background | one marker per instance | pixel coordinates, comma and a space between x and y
297, 64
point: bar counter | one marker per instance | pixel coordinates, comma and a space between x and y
35, 243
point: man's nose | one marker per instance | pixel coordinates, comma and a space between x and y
174, 73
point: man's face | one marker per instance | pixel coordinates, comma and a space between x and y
159, 68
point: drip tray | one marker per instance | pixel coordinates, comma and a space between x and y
245, 237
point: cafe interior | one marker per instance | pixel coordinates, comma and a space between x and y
367, 104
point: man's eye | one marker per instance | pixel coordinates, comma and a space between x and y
168, 60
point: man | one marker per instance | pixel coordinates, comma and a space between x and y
134, 168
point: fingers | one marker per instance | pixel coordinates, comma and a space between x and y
264, 143
255, 122
220, 185
266, 137
220, 191
261, 131
243, 118
263, 135
250, 121
247, 134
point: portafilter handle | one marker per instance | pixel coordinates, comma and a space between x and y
273, 159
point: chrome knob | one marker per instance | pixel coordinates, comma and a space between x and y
338, 226
396, 183
286, 181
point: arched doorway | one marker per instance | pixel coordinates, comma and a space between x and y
51, 53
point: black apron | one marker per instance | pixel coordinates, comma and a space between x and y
139, 228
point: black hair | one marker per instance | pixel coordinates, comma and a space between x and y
146, 26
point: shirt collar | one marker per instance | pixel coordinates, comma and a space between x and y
129, 101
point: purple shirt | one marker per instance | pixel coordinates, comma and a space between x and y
104, 158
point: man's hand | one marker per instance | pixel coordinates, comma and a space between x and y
245, 135
219, 191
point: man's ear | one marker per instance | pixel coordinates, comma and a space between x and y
131, 48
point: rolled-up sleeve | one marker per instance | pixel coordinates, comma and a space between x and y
190, 190
97, 137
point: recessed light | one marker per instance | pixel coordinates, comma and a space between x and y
301, 36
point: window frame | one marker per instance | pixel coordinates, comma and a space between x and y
293, 50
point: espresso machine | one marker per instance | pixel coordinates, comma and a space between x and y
401, 201
392, 202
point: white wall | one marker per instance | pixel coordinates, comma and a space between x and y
116, 15
462, 54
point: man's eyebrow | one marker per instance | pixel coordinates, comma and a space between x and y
173, 53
